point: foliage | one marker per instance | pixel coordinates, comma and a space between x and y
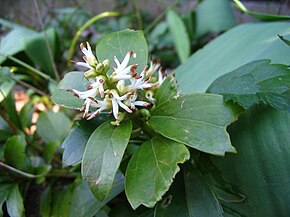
218, 148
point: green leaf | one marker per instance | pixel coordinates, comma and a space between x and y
12, 43
53, 127
45, 201
4, 191
254, 83
260, 171
72, 80
197, 120
66, 99
260, 16
14, 152
11, 111
166, 91
14, 202
213, 16
119, 43
6, 83
180, 36
84, 202
61, 201
38, 43
25, 115
209, 63
284, 40
189, 196
151, 170
75, 143
103, 155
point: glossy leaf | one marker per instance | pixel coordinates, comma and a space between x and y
37, 43
166, 91
257, 82
213, 16
14, 202
25, 115
259, 171
197, 120
189, 196
209, 63
103, 155
14, 152
84, 202
72, 80
12, 43
53, 127
180, 35
119, 43
151, 170
75, 143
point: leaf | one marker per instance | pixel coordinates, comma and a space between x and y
25, 115
260, 16
4, 191
72, 80
213, 16
103, 155
254, 83
180, 35
260, 171
38, 43
61, 201
75, 143
209, 63
166, 91
6, 83
10, 108
14, 152
119, 43
84, 202
53, 127
189, 196
12, 43
197, 120
14, 202
151, 170
45, 201
284, 40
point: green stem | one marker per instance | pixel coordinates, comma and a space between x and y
85, 26
138, 14
19, 172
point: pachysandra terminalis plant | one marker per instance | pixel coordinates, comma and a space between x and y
148, 121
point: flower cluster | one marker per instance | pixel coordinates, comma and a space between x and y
121, 92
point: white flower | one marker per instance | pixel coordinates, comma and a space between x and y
117, 101
149, 96
141, 82
90, 59
101, 105
132, 103
98, 84
161, 78
153, 68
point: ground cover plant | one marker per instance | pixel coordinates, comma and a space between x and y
107, 127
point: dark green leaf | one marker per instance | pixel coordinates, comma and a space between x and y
84, 202
4, 191
45, 202
180, 36
209, 63
61, 201
14, 202
53, 127
75, 143
25, 114
151, 170
103, 155
260, 171
197, 120
214, 16
166, 91
260, 16
254, 83
119, 43
37, 43
11, 110
49, 151
12, 43
14, 152
189, 196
